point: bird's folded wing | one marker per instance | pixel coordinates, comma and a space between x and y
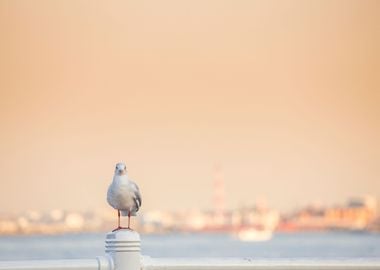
137, 197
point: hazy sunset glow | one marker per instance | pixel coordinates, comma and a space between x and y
283, 95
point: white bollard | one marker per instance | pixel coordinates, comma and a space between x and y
123, 246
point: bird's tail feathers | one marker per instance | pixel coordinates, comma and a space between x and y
125, 213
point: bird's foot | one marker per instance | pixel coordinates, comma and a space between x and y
121, 228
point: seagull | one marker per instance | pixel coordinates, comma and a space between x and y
123, 195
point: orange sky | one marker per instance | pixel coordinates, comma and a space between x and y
285, 95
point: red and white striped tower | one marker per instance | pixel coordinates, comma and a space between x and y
219, 196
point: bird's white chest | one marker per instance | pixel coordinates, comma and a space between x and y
120, 194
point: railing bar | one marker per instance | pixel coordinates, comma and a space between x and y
50, 264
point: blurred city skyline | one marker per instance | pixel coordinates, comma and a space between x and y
283, 95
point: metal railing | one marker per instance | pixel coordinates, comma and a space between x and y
123, 253
100, 263
249, 264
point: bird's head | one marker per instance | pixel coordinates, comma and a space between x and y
120, 169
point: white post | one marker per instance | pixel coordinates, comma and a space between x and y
123, 246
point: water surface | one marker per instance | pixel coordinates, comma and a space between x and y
327, 245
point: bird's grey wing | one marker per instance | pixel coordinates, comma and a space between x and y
137, 197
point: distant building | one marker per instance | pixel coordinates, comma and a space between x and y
358, 213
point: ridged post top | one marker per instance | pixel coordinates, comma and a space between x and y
123, 241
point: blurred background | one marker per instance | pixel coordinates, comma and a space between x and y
249, 122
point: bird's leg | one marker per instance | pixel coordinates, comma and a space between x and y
118, 221
129, 219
